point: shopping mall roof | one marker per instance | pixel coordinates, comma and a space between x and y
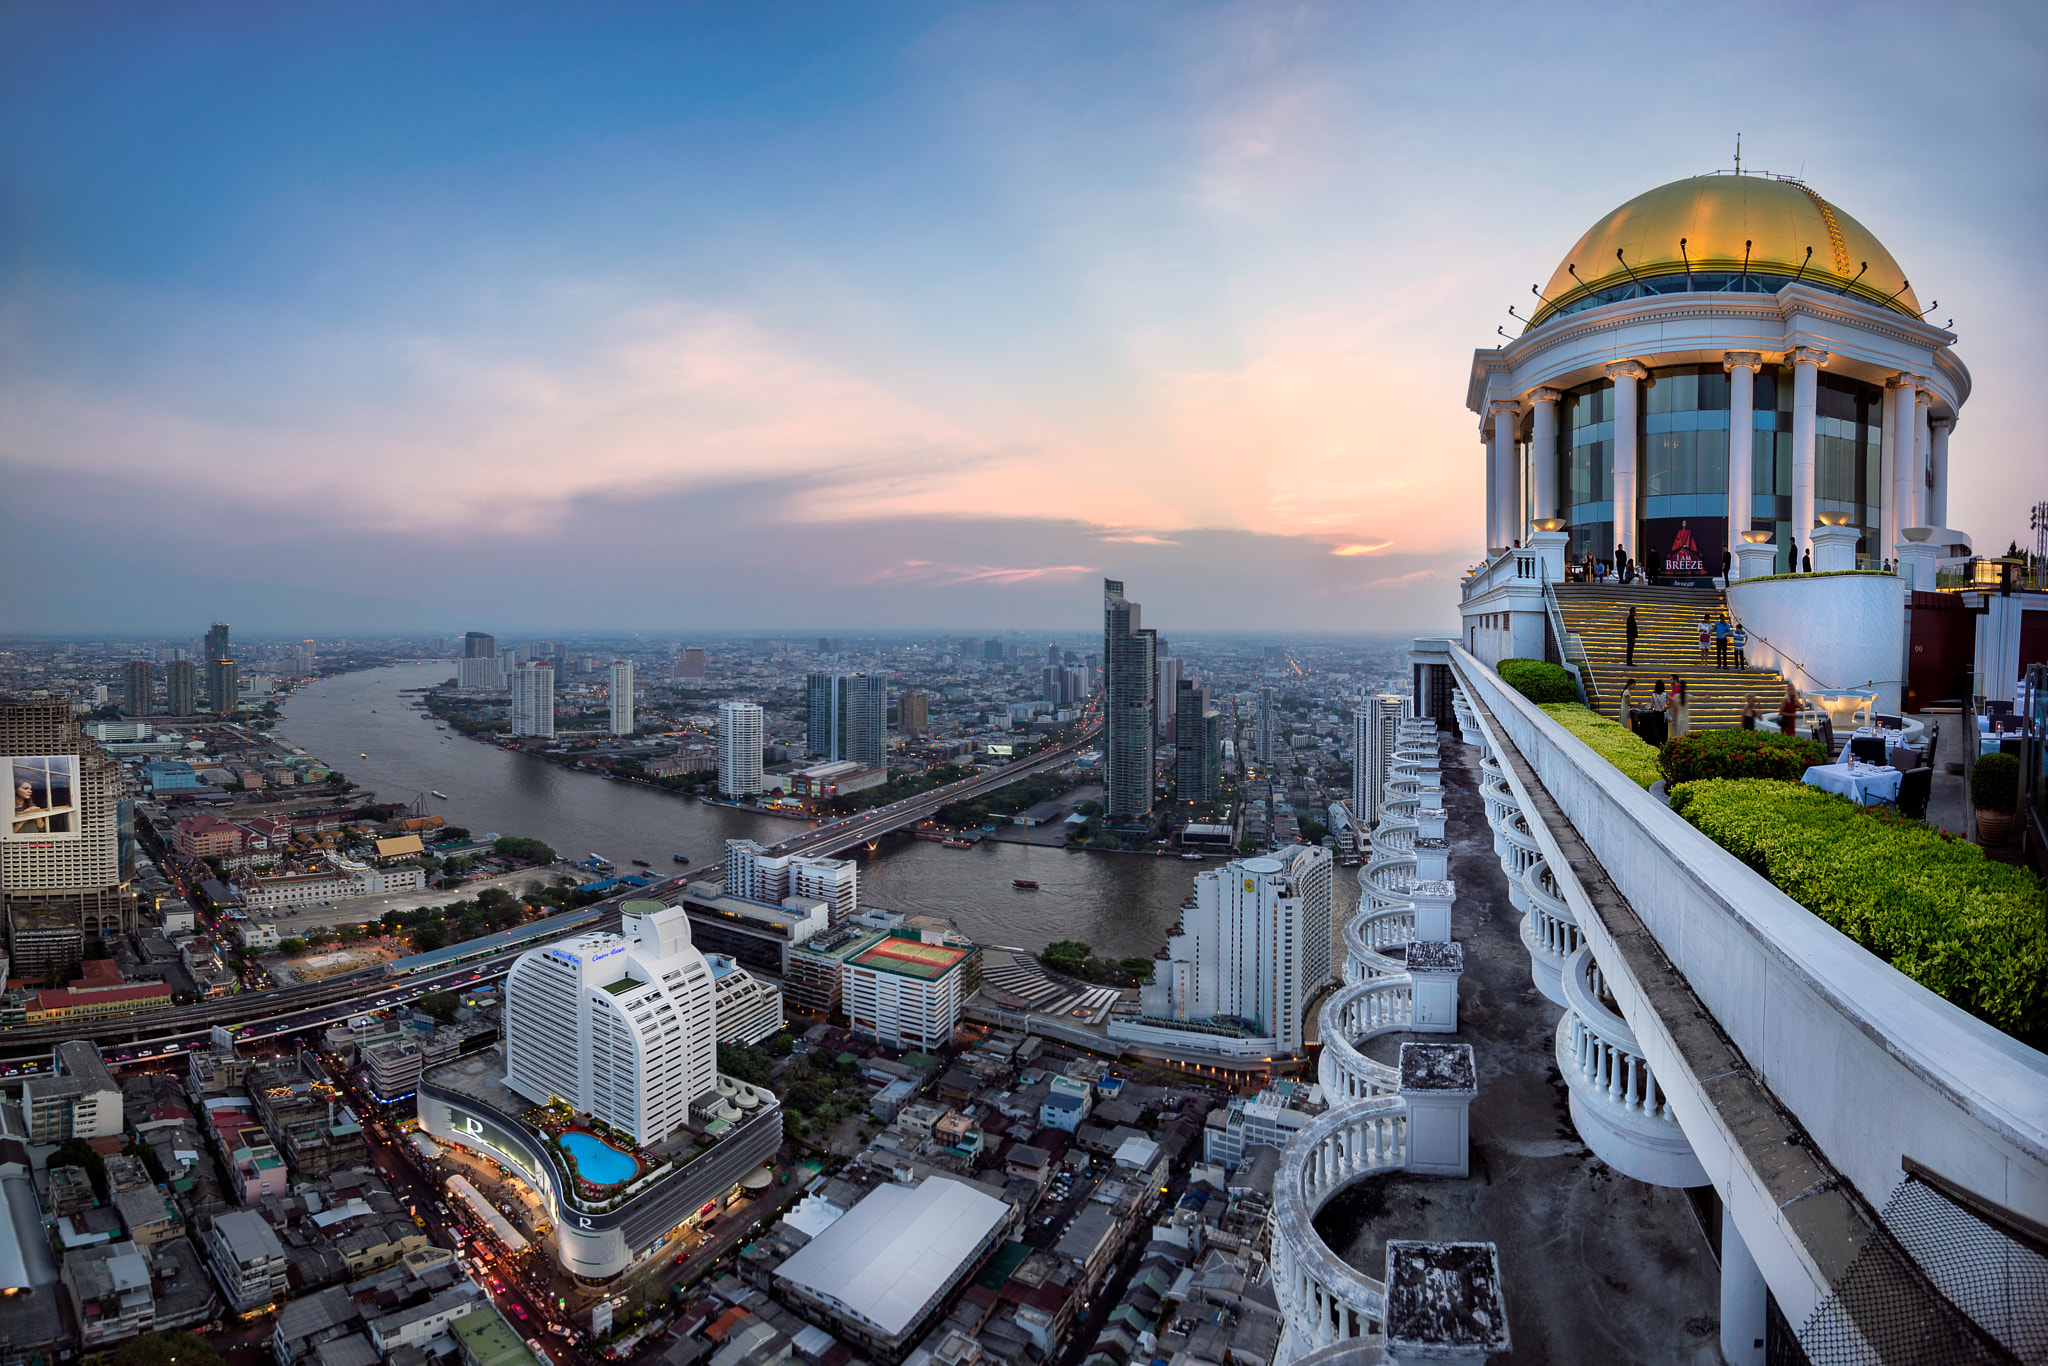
894, 1252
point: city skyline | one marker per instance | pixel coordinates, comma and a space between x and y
957, 309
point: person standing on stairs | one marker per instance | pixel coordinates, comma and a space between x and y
1631, 661
1674, 704
1628, 704
1727, 562
1706, 633
1739, 638
1721, 642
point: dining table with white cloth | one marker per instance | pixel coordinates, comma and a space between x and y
1860, 782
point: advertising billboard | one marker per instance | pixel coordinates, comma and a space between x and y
1687, 547
42, 798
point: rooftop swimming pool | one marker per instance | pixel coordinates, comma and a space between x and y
597, 1161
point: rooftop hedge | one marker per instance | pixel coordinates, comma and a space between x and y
1738, 754
1538, 681
1930, 904
1612, 741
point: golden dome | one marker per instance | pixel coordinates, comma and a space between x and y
1716, 215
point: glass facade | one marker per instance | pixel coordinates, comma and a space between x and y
1698, 282
1682, 456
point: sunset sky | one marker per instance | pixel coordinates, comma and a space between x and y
438, 316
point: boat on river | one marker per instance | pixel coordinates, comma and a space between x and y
1024, 883
641, 863
442, 795
680, 858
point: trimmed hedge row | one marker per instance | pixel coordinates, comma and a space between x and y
1538, 681
1612, 741
1737, 754
1926, 902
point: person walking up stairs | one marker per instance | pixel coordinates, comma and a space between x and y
1633, 630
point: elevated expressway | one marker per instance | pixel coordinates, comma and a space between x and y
848, 832
256, 1015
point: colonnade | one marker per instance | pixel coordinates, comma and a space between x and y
1914, 481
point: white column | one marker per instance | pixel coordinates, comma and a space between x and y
1923, 454
1507, 468
1627, 375
1901, 427
1937, 497
1543, 449
1493, 540
1742, 367
1742, 1299
1806, 362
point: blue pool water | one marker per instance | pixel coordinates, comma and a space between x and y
597, 1161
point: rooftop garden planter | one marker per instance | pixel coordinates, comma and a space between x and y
1538, 681
1738, 754
1612, 741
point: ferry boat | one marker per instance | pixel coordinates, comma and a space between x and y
1025, 883
599, 862
958, 844
362, 756
680, 858
1190, 858
442, 795
641, 863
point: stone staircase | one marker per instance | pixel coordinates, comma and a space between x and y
1667, 642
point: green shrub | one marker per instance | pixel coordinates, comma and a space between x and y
1995, 783
1537, 681
1616, 743
1737, 754
1929, 904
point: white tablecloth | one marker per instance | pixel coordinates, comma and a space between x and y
1893, 739
1860, 783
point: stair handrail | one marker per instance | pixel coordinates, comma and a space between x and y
1801, 666
1589, 688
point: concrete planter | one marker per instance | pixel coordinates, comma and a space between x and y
1994, 828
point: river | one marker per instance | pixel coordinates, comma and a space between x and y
1122, 904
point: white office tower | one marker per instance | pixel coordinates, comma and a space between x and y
1265, 738
533, 699
752, 872
1374, 729
742, 732
622, 697
621, 1026
1255, 946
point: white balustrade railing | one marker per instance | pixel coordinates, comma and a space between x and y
1604, 1049
1367, 936
1325, 1301
1386, 882
1519, 850
1550, 931
1353, 1017
1394, 835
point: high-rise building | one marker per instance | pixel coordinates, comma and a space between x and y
913, 711
622, 697
1374, 728
533, 699
138, 687
1169, 685
750, 871
181, 688
477, 645
440, 645
223, 686
217, 641
845, 717
690, 663
621, 1026
742, 733
1255, 946
1265, 735
58, 891
1129, 723
992, 650
1197, 745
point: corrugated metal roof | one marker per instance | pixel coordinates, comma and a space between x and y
895, 1250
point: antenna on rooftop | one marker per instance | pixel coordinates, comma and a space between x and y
1738, 154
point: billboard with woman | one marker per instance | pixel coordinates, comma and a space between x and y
42, 798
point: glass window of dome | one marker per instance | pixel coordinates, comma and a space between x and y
1682, 454
1699, 282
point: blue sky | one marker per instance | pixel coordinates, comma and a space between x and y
338, 317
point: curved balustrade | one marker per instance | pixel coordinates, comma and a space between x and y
1326, 1302
1394, 835
1616, 1103
1519, 851
1501, 807
1353, 1017
1385, 882
1368, 934
1549, 930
